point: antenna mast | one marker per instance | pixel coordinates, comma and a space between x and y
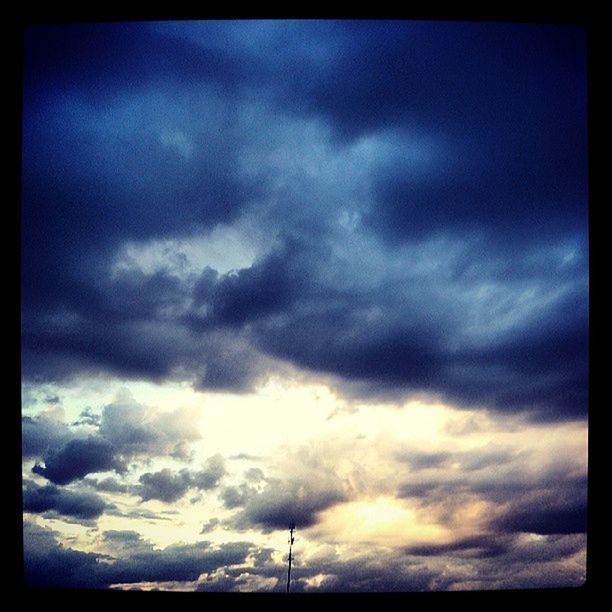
291, 540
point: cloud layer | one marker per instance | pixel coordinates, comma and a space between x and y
418, 225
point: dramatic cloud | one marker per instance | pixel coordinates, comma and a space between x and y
168, 486
164, 485
125, 430
136, 429
77, 458
212, 472
50, 498
348, 283
560, 508
176, 562
49, 563
43, 431
519, 497
310, 485
271, 508
410, 244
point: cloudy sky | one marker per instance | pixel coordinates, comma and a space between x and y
326, 272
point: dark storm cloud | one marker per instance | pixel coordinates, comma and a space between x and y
367, 575
263, 289
416, 339
496, 173
49, 498
537, 563
86, 57
551, 510
355, 150
48, 563
561, 518
501, 561
77, 458
105, 169
177, 562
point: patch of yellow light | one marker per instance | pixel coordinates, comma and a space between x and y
471, 515
385, 521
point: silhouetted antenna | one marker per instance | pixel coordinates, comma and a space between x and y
291, 540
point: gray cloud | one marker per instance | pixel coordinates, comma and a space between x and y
142, 513
124, 431
210, 525
548, 500
487, 561
281, 502
41, 432
49, 498
530, 563
48, 563
559, 508
178, 562
169, 486
109, 485
136, 429
77, 458
237, 496
88, 417
479, 546
409, 247
212, 472
164, 485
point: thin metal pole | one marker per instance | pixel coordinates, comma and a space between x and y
291, 540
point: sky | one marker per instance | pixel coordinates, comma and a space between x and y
325, 272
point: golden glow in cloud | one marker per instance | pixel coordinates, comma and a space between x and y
384, 521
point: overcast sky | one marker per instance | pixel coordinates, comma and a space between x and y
330, 272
